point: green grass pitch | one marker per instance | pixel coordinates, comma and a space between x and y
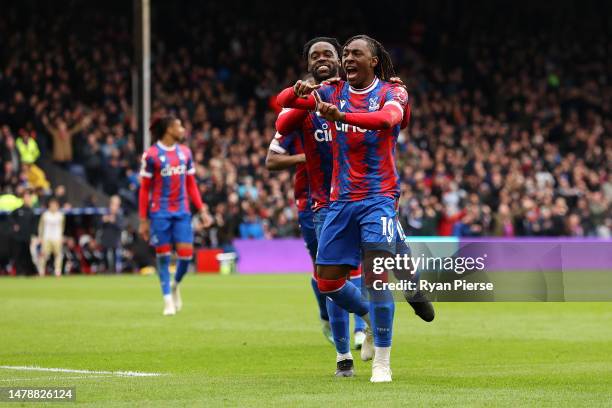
255, 341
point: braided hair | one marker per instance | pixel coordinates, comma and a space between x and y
332, 41
384, 69
159, 126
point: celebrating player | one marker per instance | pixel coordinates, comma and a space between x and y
167, 185
286, 151
314, 134
366, 111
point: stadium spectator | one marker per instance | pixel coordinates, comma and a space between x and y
27, 148
23, 226
92, 259
517, 118
62, 137
51, 237
112, 226
72, 258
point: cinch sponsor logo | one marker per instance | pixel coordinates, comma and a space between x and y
345, 127
169, 171
323, 134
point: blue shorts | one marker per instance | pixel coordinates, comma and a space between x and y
305, 219
351, 226
319, 220
170, 230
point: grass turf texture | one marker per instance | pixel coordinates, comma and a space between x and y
255, 341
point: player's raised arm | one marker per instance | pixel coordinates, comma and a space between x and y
298, 96
289, 120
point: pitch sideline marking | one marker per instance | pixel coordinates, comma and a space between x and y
79, 377
70, 370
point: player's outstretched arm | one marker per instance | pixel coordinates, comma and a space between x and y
289, 98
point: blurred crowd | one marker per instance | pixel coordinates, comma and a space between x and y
510, 132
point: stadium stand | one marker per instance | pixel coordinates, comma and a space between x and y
510, 132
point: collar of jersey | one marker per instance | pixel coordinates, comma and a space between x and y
166, 148
366, 89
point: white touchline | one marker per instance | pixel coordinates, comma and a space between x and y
80, 377
70, 370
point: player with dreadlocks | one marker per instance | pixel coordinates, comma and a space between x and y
366, 111
300, 131
167, 186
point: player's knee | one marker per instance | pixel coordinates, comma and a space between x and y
330, 285
163, 250
333, 271
356, 273
184, 252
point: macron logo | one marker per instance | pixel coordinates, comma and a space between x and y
342, 103
169, 171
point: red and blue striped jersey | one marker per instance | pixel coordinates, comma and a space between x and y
363, 160
167, 167
292, 144
317, 140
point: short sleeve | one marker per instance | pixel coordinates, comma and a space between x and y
281, 144
398, 96
146, 165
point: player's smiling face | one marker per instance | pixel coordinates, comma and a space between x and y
358, 63
323, 61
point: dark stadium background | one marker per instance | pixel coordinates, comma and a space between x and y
510, 134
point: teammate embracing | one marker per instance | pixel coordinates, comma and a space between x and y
167, 185
366, 111
314, 135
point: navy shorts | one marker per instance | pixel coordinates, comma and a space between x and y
351, 226
305, 219
174, 229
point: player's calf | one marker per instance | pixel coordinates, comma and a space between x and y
163, 271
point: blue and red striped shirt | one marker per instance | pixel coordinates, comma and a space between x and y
291, 143
364, 160
167, 167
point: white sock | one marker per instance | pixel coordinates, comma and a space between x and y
167, 298
382, 355
343, 356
